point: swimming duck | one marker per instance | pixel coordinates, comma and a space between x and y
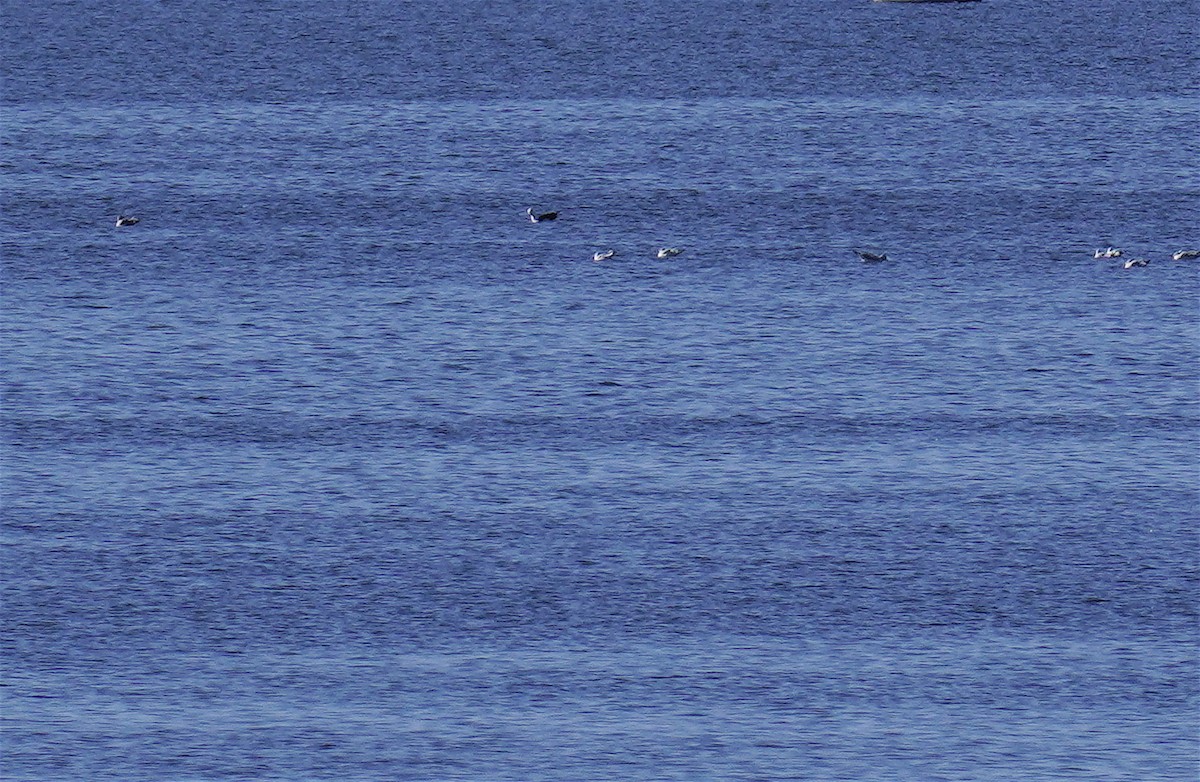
668, 252
1108, 252
603, 256
1185, 255
123, 221
870, 257
1132, 262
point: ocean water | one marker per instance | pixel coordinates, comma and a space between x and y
337, 467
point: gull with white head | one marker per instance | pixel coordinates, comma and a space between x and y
540, 217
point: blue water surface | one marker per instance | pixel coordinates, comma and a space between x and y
336, 467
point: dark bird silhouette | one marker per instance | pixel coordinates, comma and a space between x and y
537, 218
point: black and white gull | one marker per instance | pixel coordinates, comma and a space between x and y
541, 217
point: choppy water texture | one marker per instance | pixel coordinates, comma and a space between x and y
336, 467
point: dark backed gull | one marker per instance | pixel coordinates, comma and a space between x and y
544, 216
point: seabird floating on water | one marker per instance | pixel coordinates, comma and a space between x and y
668, 252
1109, 252
123, 221
1132, 262
1185, 255
870, 257
537, 218
603, 256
